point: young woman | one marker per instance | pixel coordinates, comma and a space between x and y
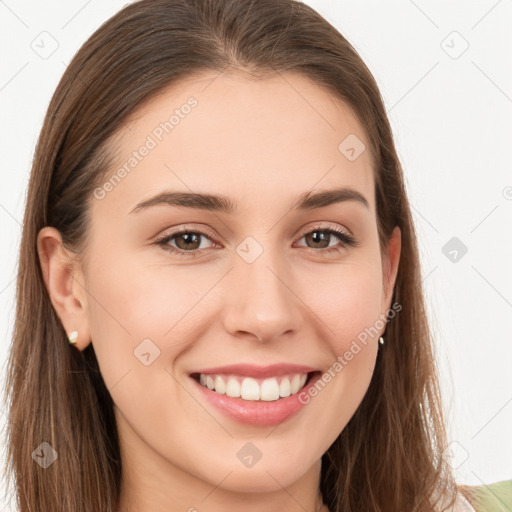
219, 302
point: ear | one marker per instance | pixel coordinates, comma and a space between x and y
65, 283
390, 260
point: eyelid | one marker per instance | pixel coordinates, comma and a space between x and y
320, 225
324, 226
186, 228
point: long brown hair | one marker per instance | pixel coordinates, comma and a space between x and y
389, 456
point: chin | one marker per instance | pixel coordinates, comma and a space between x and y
269, 476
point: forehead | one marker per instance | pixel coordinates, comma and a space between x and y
224, 133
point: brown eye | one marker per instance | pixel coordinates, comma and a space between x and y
187, 242
320, 239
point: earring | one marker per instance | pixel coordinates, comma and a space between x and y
72, 337
381, 340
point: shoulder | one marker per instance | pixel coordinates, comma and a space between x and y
495, 497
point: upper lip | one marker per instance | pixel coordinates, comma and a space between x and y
251, 370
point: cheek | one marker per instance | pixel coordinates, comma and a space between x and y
137, 308
125, 311
136, 299
350, 308
348, 303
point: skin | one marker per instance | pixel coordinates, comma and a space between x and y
262, 143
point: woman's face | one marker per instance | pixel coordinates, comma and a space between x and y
263, 283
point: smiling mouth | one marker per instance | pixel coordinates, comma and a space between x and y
255, 389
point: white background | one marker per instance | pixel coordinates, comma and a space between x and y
451, 116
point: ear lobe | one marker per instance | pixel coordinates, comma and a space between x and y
62, 274
391, 260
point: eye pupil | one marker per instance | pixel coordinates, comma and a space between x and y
318, 237
189, 238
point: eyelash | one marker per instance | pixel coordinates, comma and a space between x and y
346, 239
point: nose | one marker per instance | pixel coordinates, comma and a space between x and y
262, 302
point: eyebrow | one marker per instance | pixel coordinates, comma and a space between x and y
223, 204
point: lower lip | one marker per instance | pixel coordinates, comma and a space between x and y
260, 413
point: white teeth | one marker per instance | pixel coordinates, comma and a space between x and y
233, 388
284, 387
253, 389
250, 389
269, 390
220, 387
295, 384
